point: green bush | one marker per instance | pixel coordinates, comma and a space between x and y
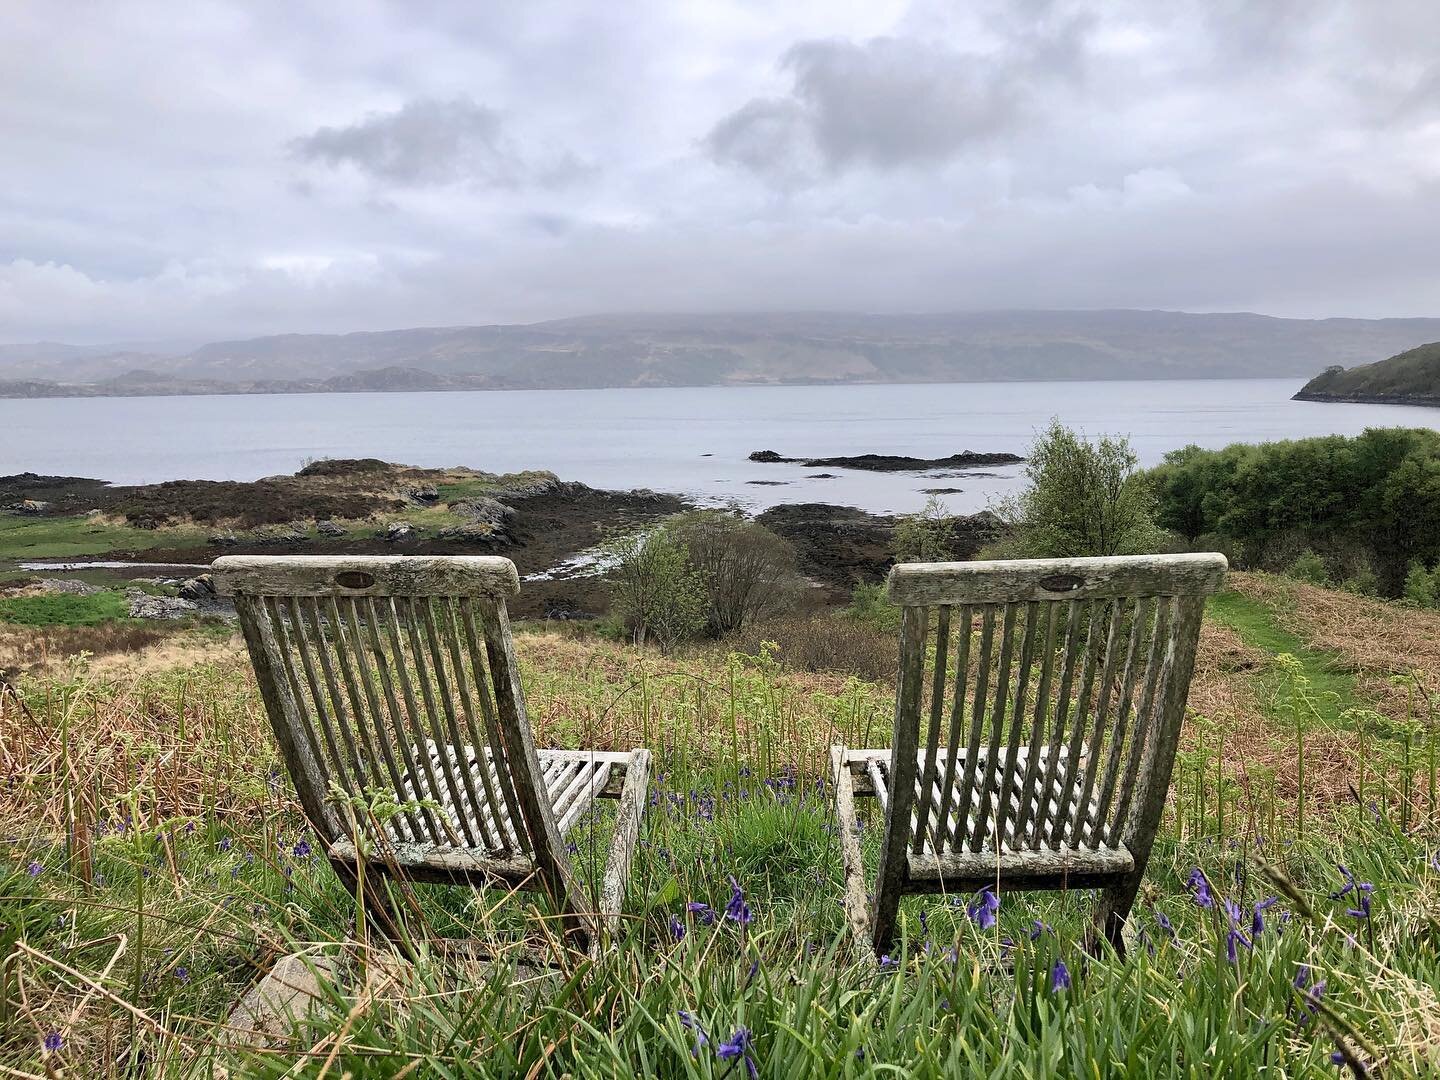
64, 609
928, 536
1422, 586
1309, 568
869, 605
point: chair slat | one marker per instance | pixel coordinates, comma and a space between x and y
932, 740
499, 764
997, 725
1095, 618
948, 822
1060, 717
1074, 828
1145, 718
310, 639
1017, 717
1040, 710
977, 722
1141, 626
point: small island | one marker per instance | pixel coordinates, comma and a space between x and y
1408, 378
966, 459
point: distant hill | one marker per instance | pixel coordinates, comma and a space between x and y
1409, 378
725, 350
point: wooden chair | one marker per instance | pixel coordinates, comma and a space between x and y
397, 675
1037, 713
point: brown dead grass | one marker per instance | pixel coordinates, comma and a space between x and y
1376, 639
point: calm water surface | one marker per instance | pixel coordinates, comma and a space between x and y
660, 438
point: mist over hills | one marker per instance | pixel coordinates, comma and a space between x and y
624, 350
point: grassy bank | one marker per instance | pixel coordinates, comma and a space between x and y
156, 864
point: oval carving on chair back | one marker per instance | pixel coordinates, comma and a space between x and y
354, 579
1061, 582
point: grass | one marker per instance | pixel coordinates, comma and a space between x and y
68, 537
64, 609
157, 863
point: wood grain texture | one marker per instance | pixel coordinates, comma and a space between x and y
392, 575
1014, 580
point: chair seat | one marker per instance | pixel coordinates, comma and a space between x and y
1033, 845
573, 779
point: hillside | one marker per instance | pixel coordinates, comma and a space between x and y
725, 349
1409, 378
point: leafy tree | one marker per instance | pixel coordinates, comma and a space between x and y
655, 590
1420, 586
1084, 498
746, 571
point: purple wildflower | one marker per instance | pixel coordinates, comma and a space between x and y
737, 909
738, 1046
303, 849
53, 1041
1363, 911
1257, 921
688, 1021
982, 910
182, 974
1337, 1058
887, 961
677, 928
1038, 928
701, 912
224, 844
1200, 888
1163, 921
1059, 976
34, 869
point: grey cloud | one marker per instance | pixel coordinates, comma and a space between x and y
889, 102
429, 142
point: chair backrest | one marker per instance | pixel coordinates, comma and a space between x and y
1040, 701
397, 673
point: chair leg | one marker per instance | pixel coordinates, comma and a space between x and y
1111, 912
622, 846
857, 906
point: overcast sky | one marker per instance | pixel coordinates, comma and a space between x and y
203, 170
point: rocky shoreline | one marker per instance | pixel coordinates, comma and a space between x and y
549, 527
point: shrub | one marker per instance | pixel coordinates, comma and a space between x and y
928, 536
1363, 583
869, 605
1310, 568
1084, 498
1422, 586
746, 571
655, 590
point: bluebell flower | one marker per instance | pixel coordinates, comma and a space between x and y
677, 928
701, 912
1363, 911
224, 844
738, 1046
182, 974
688, 1021
737, 909
983, 909
53, 1041
1163, 921
1037, 928
1257, 921
1200, 888
34, 869
1059, 976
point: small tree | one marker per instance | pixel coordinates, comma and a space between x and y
1310, 568
928, 536
1420, 585
1084, 498
747, 572
655, 590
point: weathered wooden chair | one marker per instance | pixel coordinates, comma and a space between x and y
395, 676
1037, 714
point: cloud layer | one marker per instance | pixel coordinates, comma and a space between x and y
220, 169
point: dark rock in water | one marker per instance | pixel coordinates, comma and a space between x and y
330, 529
200, 587
941, 491
707, 455
891, 462
841, 547
821, 476
769, 483
145, 606
397, 532
483, 510
29, 507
